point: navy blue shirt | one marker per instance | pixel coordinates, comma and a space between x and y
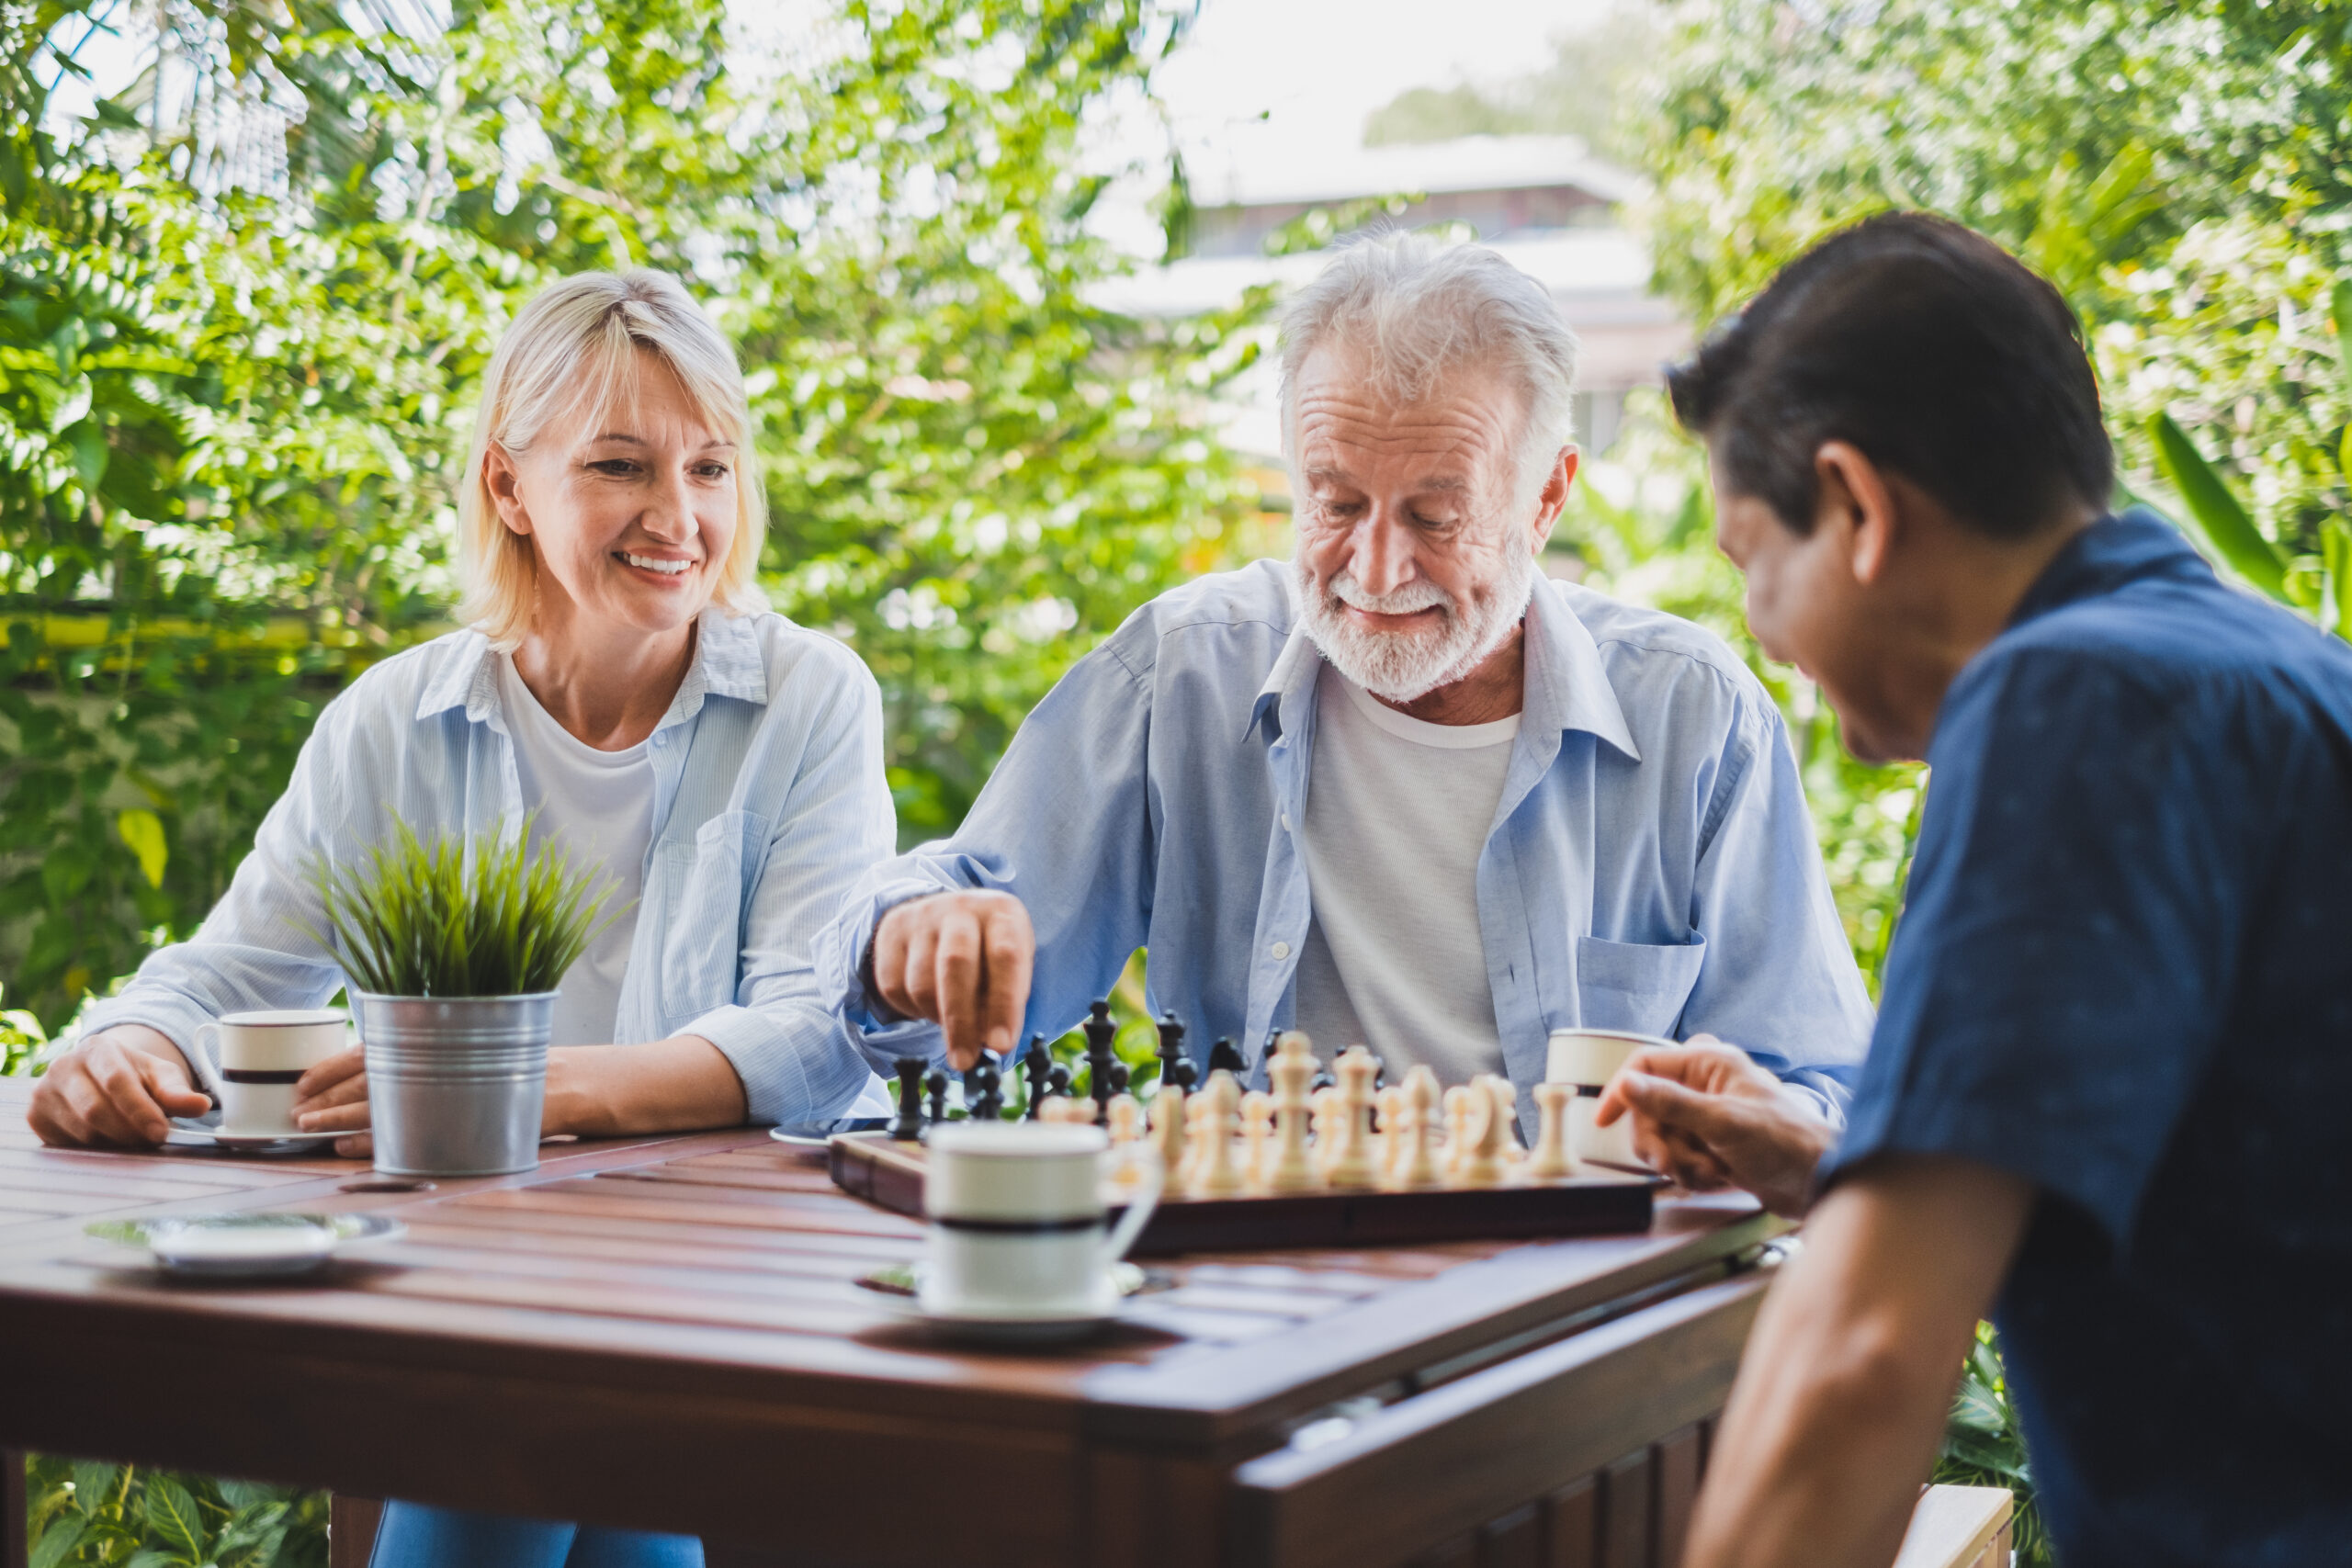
2125, 974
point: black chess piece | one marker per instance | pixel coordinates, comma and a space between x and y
1171, 1050
1058, 1082
1225, 1053
1119, 1077
1184, 1073
1036, 1067
1100, 1033
937, 1084
907, 1126
984, 1090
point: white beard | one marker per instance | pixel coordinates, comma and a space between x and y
1403, 667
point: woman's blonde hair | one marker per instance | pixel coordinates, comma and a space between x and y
576, 347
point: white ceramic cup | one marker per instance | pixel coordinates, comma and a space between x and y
261, 1056
1589, 1058
1017, 1212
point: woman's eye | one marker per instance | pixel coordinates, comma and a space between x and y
711, 471
616, 467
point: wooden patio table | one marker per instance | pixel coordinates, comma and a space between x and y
667, 1334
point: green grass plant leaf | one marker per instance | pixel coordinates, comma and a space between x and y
2336, 546
2339, 310
2219, 514
480, 916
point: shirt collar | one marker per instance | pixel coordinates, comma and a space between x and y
726, 663
2138, 543
1566, 687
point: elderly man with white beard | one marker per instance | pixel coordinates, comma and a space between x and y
1401, 790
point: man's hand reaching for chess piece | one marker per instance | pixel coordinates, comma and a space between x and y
1709, 1117
961, 960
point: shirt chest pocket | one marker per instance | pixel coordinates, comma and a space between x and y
1635, 985
707, 892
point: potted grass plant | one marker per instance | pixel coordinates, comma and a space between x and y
453, 950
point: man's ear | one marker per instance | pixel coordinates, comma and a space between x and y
1856, 500
503, 481
1553, 496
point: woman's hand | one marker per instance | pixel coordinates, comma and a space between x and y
332, 1098
1708, 1116
120, 1088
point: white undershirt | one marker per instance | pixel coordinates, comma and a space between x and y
1397, 813
600, 805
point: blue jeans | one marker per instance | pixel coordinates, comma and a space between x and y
413, 1536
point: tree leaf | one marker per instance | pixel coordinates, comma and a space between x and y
173, 1515
2219, 514
57, 1540
143, 831
94, 1485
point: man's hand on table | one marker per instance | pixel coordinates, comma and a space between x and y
120, 1088
1709, 1117
961, 960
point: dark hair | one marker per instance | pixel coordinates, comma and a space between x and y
1927, 346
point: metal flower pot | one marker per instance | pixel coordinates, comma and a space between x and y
456, 1084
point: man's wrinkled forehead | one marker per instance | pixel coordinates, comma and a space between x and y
1448, 435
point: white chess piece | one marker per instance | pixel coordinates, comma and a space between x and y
1458, 1109
1290, 1070
1218, 1175
1350, 1163
1421, 1164
1325, 1106
1167, 1134
1506, 1115
1481, 1164
1124, 1119
1552, 1160
1391, 1153
1257, 1137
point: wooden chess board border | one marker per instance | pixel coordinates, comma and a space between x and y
874, 1166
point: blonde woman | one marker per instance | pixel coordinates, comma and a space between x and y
620, 678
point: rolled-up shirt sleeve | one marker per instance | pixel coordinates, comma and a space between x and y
1778, 980
797, 1061
260, 946
1064, 824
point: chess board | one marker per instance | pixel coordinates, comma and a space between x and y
874, 1166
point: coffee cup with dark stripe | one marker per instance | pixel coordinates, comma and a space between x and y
1019, 1218
262, 1055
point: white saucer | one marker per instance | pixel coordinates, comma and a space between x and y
246, 1246
196, 1135
1023, 1326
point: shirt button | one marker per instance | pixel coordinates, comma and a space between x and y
1285, 821
1280, 950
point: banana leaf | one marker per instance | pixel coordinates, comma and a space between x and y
2218, 514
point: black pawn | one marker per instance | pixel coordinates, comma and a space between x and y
1100, 1033
907, 1126
1171, 1050
984, 1090
1058, 1082
937, 1084
1037, 1069
1225, 1053
1119, 1077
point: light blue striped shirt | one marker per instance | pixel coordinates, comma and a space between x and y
1651, 865
769, 800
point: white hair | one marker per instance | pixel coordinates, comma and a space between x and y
579, 345
1414, 311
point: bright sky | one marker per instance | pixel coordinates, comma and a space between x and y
1315, 69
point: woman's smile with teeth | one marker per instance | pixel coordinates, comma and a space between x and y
667, 567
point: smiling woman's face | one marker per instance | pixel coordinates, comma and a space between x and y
631, 513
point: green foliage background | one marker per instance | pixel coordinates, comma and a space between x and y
238, 382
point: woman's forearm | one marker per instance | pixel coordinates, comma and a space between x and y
670, 1086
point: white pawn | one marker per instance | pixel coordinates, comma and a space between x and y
1290, 1070
1167, 1134
1393, 1100
1421, 1164
1124, 1119
1257, 1135
1460, 1102
1481, 1164
1326, 1109
1552, 1160
1218, 1173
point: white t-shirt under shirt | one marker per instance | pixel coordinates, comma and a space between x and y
599, 805
1398, 811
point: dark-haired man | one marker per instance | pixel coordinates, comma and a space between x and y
2108, 1079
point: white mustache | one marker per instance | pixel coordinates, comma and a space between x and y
1405, 601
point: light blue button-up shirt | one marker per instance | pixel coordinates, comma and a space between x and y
1650, 866
769, 800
